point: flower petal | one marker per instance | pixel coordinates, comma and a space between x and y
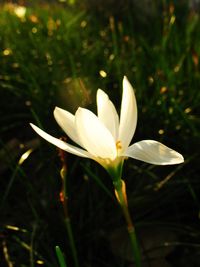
107, 113
154, 152
59, 143
128, 115
94, 136
66, 121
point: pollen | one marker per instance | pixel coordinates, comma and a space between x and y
118, 145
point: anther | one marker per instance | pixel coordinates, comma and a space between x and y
118, 145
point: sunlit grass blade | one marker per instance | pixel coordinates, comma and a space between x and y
60, 257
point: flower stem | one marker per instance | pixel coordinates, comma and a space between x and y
120, 192
71, 241
64, 201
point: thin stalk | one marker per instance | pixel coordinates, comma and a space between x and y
71, 241
120, 192
60, 256
64, 201
115, 45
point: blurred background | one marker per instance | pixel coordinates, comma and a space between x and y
58, 53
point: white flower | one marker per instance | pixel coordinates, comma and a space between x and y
105, 138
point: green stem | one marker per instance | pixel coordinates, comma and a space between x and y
64, 200
71, 241
60, 256
120, 191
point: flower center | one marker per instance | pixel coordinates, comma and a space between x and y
118, 145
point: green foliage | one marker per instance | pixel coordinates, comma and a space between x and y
60, 257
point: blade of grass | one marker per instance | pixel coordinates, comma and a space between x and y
60, 256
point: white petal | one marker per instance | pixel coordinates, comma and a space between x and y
94, 136
154, 152
107, 113
128, 115
59, 143
66, 121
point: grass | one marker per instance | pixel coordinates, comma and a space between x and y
57, 56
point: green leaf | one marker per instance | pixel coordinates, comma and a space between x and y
60, 256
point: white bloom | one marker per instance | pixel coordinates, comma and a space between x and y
105, 138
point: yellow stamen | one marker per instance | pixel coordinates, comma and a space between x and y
118, 145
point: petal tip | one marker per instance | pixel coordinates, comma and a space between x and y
57, 112
99, 90
125, 78
37, 129
101, 93
79, 110
177, 158
33, 125
57, 109
127, 84
180, 159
